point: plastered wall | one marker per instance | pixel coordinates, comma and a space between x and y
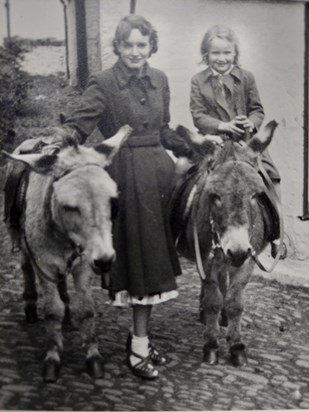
271, 35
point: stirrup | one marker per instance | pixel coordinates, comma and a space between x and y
142, 369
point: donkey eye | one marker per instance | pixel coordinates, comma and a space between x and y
216, 199
254, 198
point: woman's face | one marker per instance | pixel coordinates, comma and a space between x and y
221, 55
135, 51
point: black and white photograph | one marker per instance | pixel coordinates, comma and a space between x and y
154, 165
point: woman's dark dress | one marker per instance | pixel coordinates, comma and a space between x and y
146, 257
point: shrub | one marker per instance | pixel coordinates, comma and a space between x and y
14, 83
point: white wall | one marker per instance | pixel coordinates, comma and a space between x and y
271, 38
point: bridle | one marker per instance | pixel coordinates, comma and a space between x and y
77, 249
215, 237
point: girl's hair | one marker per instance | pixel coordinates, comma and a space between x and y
127, 24
221, 32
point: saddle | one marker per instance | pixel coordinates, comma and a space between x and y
180, 201
269, 206
15, 190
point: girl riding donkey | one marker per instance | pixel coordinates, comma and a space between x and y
225, 102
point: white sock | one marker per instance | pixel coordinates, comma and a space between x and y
276, 241
140, 347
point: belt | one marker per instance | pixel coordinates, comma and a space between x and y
143, 140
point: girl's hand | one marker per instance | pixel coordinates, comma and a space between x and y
231, 127
244, 122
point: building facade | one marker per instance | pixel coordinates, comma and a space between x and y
273, 45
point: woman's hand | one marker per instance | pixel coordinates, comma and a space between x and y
183, 164
214, 138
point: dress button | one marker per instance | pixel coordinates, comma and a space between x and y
145, 123
143, 100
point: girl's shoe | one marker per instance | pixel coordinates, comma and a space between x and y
275, 248
142, 369
155, 356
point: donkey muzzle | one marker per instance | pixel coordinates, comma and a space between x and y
238, 257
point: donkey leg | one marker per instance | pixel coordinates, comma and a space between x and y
64, 295
223, 278
212, 304
234, 310
84, 312
30, 295
54, 313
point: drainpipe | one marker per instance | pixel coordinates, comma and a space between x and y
8, 18
66, 37
132, 6
305, 215
81, 37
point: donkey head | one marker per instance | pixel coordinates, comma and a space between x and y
79, 196
233, 187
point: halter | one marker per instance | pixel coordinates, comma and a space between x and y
77, 252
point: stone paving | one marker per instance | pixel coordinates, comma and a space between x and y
275, 329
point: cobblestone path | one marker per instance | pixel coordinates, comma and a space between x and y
275, 328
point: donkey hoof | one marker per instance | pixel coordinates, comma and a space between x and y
94, 368
238, 354
51, 370
31, 314
211, 355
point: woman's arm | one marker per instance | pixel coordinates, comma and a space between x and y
85, 117
169, 138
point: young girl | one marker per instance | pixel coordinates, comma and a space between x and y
224, 98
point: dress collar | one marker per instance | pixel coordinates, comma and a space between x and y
234, 71
125, 75
217, 74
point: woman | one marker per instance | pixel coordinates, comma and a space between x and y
131, 92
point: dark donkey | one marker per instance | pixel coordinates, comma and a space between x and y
223, 211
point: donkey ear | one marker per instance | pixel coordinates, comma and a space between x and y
111, 146
262, 140
39, 162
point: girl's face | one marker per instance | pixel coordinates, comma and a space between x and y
135, 51
221, 55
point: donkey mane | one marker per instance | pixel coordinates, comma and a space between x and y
228, 152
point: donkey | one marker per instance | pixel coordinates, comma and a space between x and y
224, 213
67, 228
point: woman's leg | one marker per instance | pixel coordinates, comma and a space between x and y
139, 353
141, 316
